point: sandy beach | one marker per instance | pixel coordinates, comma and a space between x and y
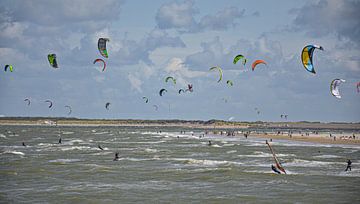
345, 138
341, 133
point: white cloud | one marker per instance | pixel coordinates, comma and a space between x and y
135, 82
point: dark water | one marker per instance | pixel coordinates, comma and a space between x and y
161, 168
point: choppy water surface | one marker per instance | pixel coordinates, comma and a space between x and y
160, 167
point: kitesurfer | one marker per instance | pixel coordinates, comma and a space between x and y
100, 147
116, 156
60, 140
348, 165
275, 169
23, 144
209, 144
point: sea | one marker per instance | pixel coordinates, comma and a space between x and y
167, 165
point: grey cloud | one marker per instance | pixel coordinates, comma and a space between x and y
181, 16
51, 13
330, 17
176, 15
221, 20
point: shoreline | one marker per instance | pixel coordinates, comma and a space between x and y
311, 139
303, 131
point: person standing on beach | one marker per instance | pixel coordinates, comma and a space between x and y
348, 165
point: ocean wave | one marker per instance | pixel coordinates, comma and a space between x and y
326, 156
311, 163
13, 152
64, 161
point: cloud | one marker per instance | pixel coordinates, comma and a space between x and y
59, 13
181, 72
135, 82
176, 15
222, 20
181, 16
325, 17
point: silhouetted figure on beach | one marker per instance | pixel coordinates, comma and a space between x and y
100, 147
60, 140
348, 165
116, 156
23, 144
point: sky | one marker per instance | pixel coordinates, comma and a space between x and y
182, 39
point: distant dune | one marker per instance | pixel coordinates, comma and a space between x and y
218, 124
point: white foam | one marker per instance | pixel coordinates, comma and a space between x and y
2, 136
326, 156
13, 152
67, 133
309, 163
151, 150
63, 161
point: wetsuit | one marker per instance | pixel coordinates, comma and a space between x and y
349, 165
275, 169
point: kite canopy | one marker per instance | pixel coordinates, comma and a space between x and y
156, 107
50, 103
307, 57
107, 105
358, 87
146, 99
220, 72
190, 88
100, 60
229, 83
256, 62
170, 78
52, 60
8, 67
181, 90
28, 101
334, 87
102, 47
161, 92
70, 110
239, 57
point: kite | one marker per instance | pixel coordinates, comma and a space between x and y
172, 78
334, 87
102, 47
146, 99
70, 110
10, 67
50, 103
100, 60
190, 88
161, 92
229, 83
107, 105
220, 72
28, 101
256, 62
307, 57
238, 57
52, 60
